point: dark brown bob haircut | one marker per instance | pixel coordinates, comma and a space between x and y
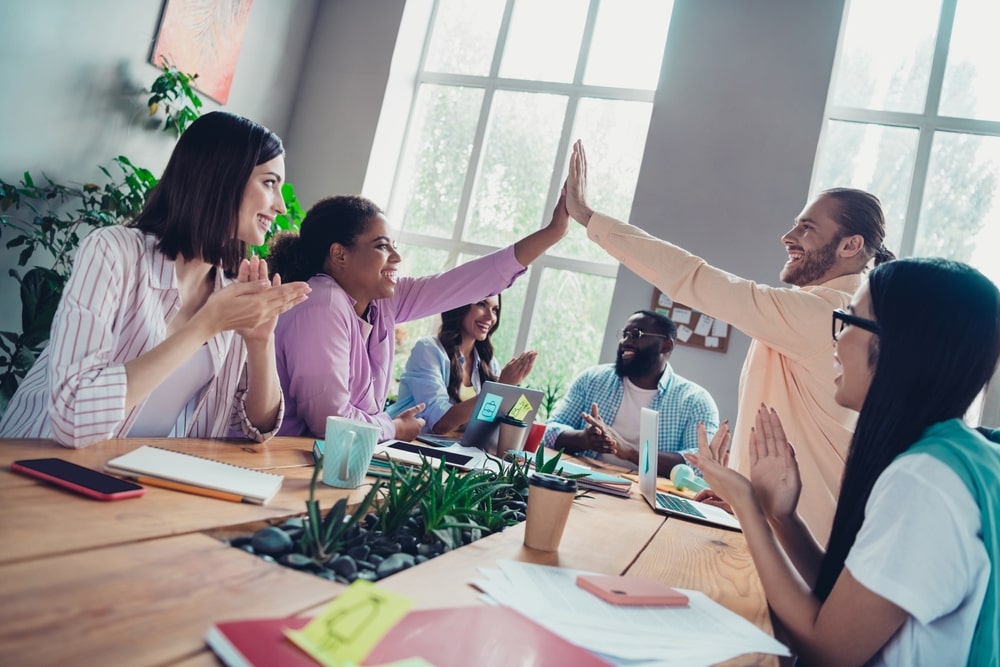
194, 209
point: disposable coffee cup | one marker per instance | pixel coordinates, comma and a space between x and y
512, 434
347, 451
549, 500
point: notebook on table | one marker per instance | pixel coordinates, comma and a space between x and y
481, 635
178, 470
495, 400
666, 503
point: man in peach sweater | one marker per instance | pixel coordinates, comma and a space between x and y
789, 365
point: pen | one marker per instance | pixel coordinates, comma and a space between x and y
198, 490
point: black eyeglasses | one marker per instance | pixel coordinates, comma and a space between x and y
841, 318
637, 334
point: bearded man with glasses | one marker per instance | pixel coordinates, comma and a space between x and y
829, 246
599, 416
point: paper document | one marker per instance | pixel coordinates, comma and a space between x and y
703, 633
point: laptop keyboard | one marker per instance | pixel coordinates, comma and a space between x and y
675, 504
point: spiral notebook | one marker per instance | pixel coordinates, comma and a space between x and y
195, 474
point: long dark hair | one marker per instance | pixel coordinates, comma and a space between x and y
938, 346
450, 336
301, 255
194, 209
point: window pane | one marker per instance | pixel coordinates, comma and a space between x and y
417, 261
519, 152
960, 216
885, 61
614, 136
627, 47
567, 329
534, 50
971, 86
437, 157
875, 158
464, 36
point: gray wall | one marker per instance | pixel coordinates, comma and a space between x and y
730, 150
70, 72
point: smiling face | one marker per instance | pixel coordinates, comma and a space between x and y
367, 270
262, 201
855, 355
482, 319
813, 244
642, 357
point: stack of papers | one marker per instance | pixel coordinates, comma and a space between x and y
703, 633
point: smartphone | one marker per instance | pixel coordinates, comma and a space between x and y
631, 590
87, 481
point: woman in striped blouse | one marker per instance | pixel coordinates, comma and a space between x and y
165, 329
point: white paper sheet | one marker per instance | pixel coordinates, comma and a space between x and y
703, 633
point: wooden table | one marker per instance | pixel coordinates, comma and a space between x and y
137, 582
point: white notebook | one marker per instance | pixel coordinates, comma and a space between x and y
252, 486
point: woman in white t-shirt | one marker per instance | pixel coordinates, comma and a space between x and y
911, 573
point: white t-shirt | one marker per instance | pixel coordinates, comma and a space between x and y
921, 548
158, 416
626, 422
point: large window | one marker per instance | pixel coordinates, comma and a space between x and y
914, 117
500, 89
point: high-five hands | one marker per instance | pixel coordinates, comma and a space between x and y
576, 186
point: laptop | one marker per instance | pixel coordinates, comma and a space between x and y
495, 400
666, 503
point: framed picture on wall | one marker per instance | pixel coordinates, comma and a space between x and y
203, 37
694, 328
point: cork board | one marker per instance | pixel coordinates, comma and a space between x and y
694, 328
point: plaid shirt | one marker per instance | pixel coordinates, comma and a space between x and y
680, 403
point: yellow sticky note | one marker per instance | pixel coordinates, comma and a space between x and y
350, 626
521, 408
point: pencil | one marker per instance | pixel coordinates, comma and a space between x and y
198, 490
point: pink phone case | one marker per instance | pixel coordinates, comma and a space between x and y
627, 589
85, 481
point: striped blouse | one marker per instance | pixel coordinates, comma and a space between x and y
116, 306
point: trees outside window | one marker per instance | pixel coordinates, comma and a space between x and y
914, 117
502, 88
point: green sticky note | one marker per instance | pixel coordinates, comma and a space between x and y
350, 626
521, 408
491, 407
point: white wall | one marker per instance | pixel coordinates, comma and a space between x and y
730, 149
69, 70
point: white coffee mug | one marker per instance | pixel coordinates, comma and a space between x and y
347, 451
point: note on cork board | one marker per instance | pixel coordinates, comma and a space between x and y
694, 328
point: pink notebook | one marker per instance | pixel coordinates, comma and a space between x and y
485, 636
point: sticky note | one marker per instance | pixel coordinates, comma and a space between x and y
491, 407
350, 626
521, 408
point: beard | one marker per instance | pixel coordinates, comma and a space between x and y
813, 265
646, 360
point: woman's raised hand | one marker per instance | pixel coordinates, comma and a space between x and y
251, 305
575, 189
730, 486
774, 472
518, 368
